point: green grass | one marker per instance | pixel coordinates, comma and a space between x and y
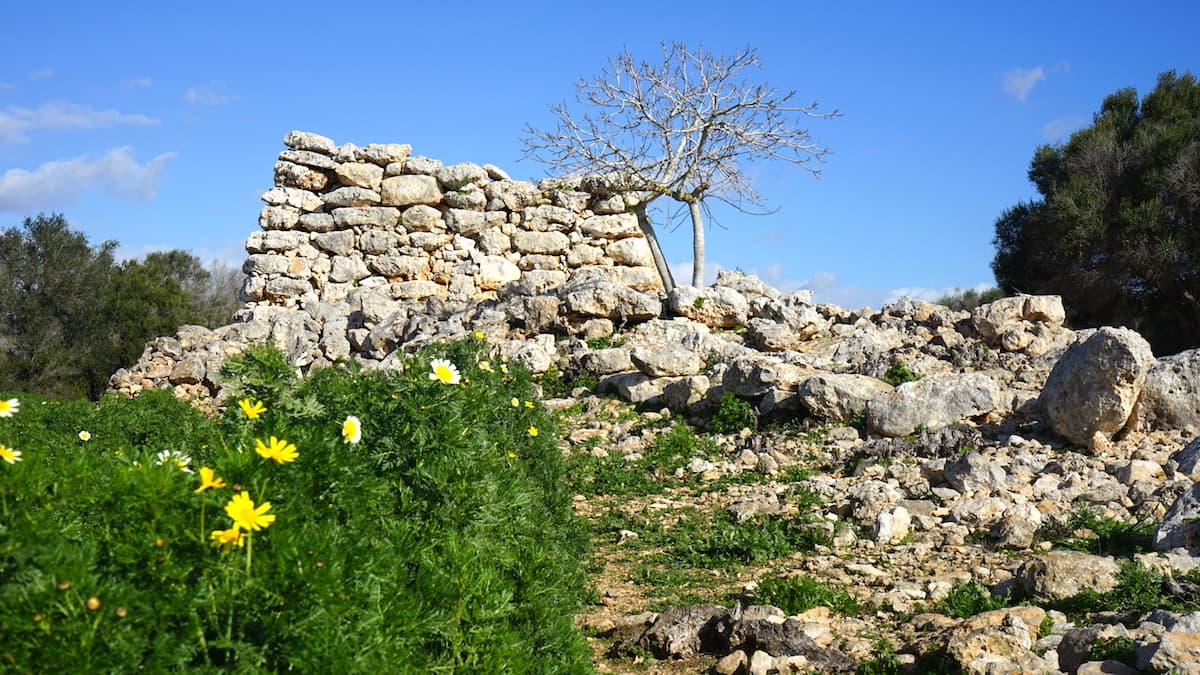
444, 541
725, 543
798, 594
1138, 590
649, 474
883, 660
967, 600
1104, 536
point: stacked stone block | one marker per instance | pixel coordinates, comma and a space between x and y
343, 222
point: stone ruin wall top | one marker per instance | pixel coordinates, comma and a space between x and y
373, 225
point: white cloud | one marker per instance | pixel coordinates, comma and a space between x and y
931, 294
1018, 82
138, 83
16, 121
5, 86
682, 272
1056, 129
213, 93
62, 182
43, 74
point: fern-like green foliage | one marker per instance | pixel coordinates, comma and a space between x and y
442, 541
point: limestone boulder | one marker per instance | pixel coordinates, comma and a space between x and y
1059, 575
1170, 398
1180, 527
1094, 386
303, 140
753, 376
838, 397
715, 306
350, 196
933, 402
669, 361
360, 174
587, 295
293, 197
288, 174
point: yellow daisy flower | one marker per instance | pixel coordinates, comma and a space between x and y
484, 365
516, 402
444, 371
245, 514
209, 480
352, 430
533, 431
85, 436
9, 455
228, 538
279, 450
252, 410
10, 407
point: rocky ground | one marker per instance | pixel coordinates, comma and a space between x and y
903, 525
913, 489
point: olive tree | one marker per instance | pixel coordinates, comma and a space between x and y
686, 127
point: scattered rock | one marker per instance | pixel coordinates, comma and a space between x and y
1093, 387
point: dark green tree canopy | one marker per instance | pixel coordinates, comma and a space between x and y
70, 315
1116, 231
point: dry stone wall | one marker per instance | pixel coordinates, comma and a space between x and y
376, 224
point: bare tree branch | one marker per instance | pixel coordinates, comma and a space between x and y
686, 128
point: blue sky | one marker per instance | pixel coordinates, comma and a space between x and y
158, 126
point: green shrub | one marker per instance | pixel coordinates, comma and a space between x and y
1108, 536
1119, 648
1139, 590
801, 593
557, 384
727, 543
444, 541
883, 660
967, 600
733, 415
899, 373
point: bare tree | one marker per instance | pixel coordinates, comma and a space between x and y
685, 128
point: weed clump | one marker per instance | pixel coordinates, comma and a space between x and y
798, 594
733, 415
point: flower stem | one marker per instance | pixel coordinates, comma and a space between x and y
249, 552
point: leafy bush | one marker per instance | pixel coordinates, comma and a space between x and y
1138, 590
967, 600
969, 299
883, 660
899, 373
727, 543
801, 593
443, 541
1108, 536
733, 415
1118, 648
